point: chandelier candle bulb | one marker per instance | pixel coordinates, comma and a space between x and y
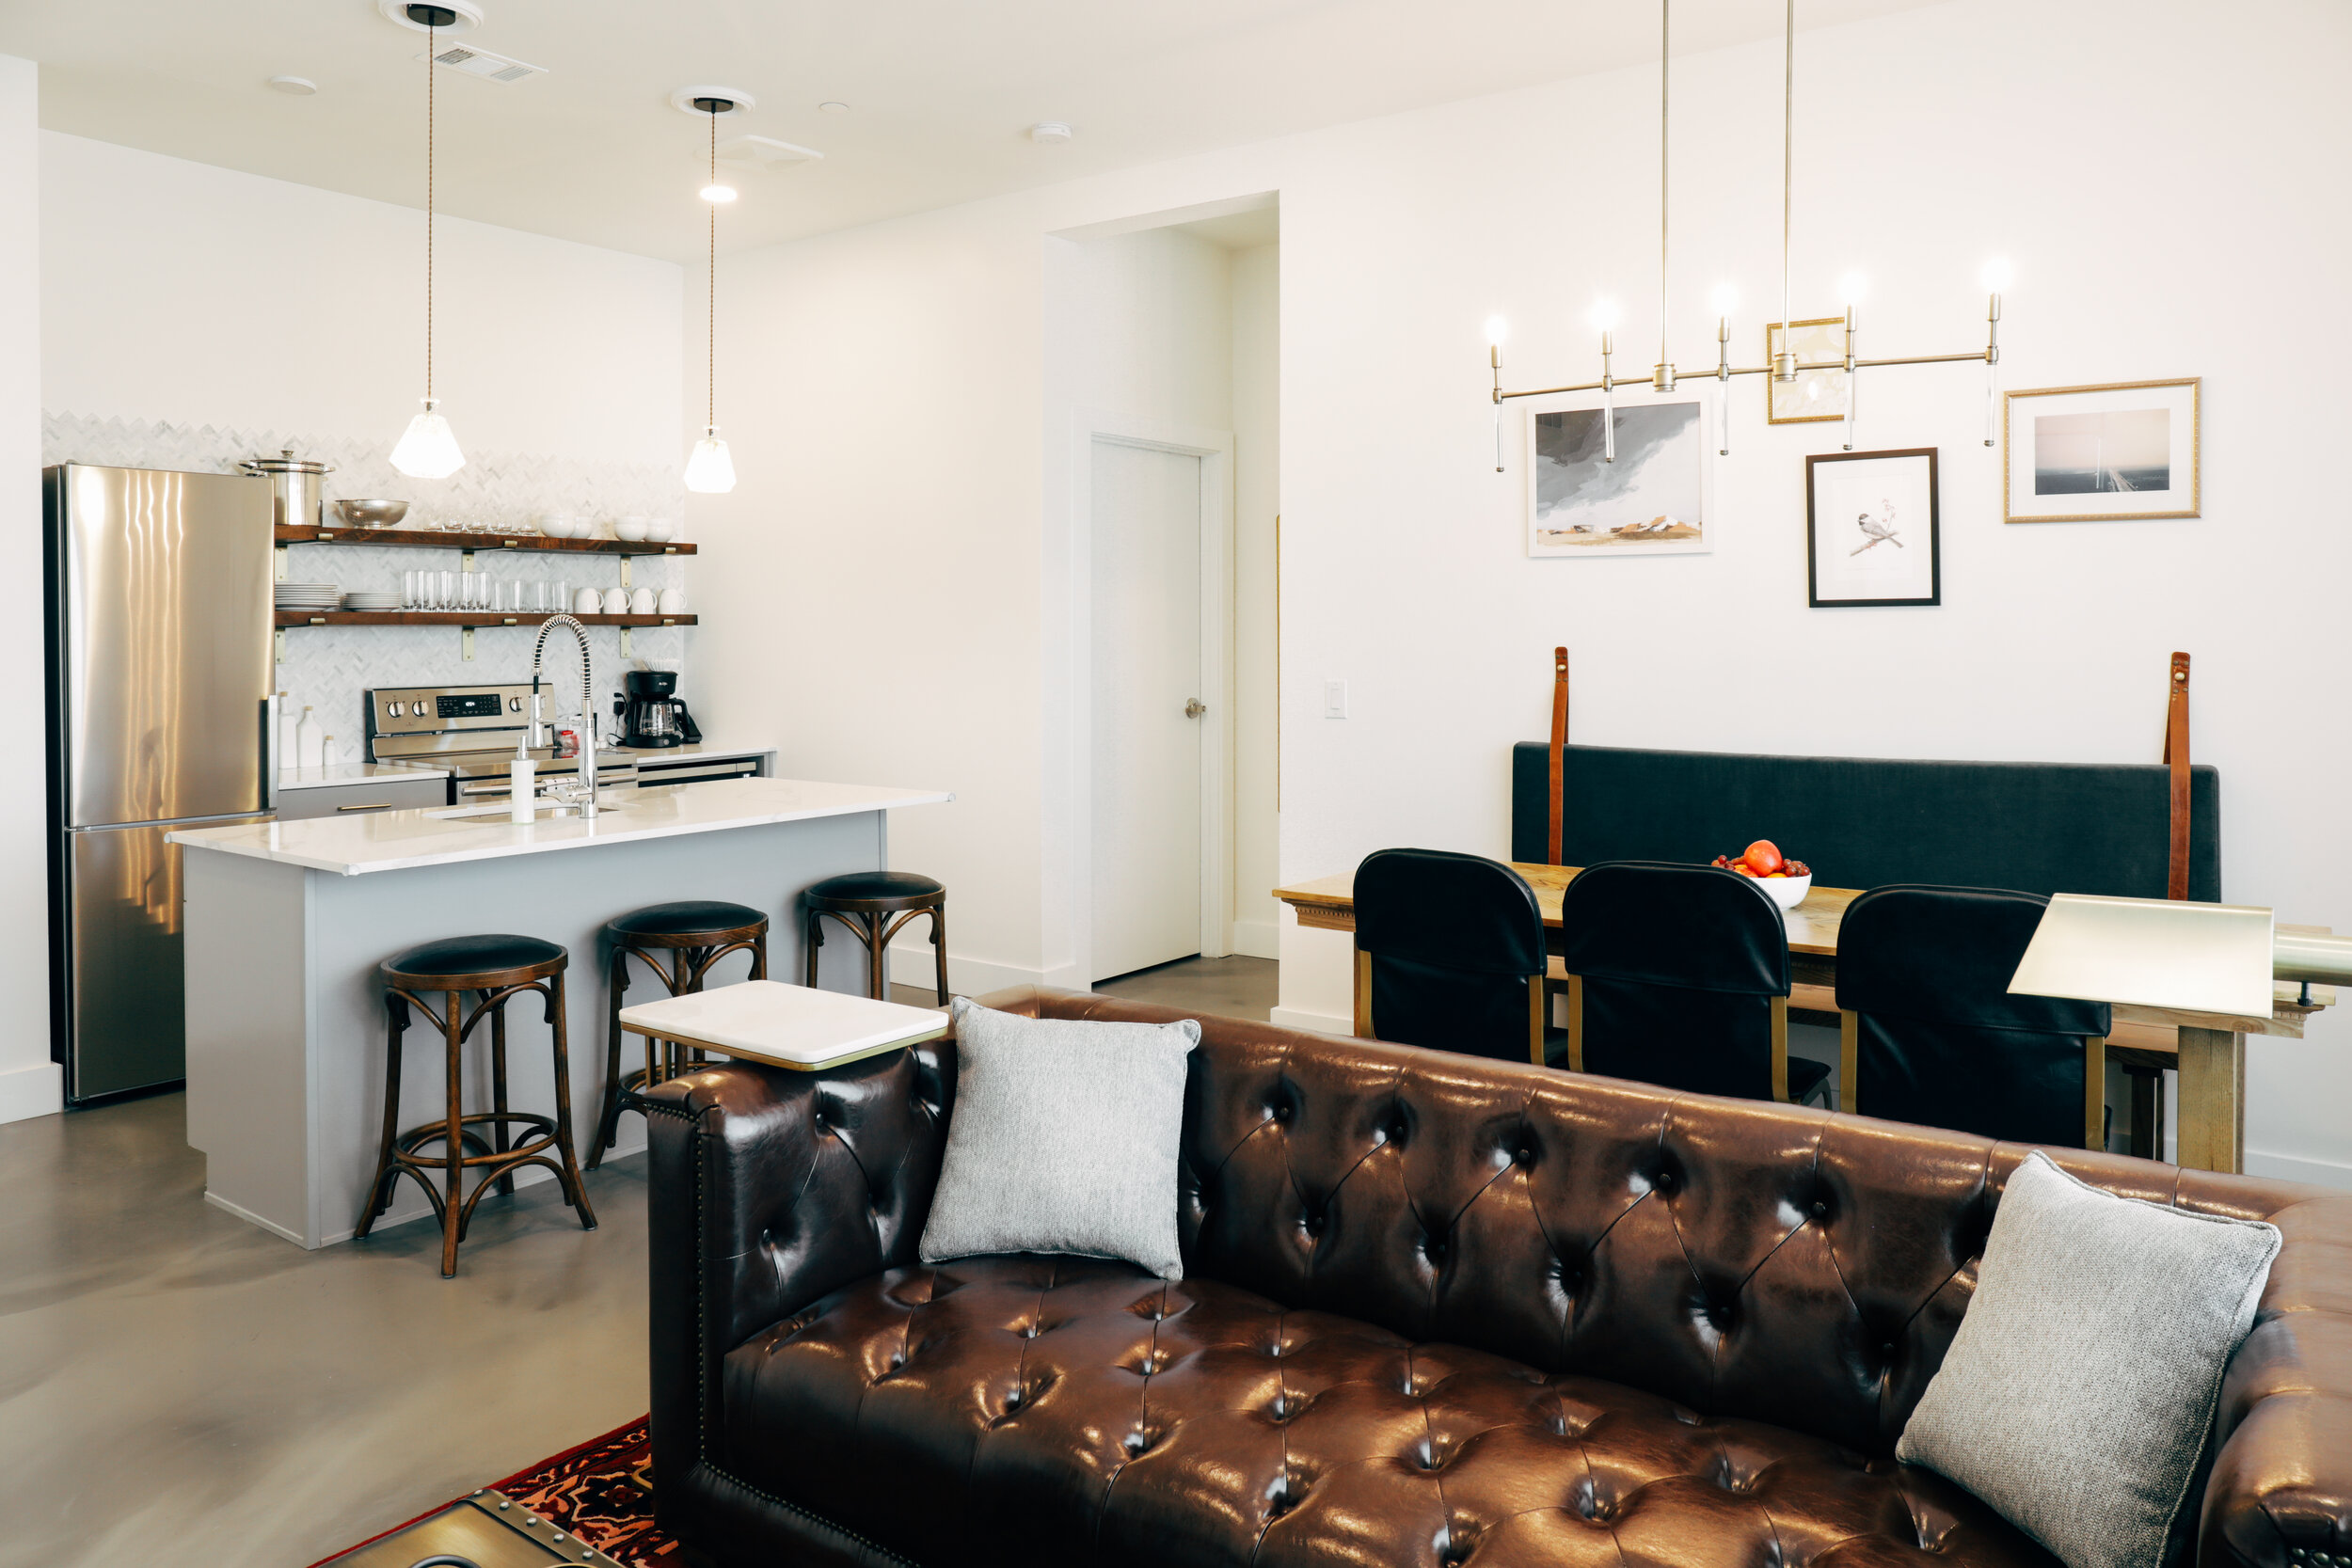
1993, 366
1853, 383
1608, 404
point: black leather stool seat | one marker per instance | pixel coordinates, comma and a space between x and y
685, 918
453, 958
876, 884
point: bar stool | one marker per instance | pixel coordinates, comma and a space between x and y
499, 968
864, 901
700, 932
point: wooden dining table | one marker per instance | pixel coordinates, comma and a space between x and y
2206, 1049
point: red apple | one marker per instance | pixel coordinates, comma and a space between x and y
1762, 857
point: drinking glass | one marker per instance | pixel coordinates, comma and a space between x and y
408, 590
449, 591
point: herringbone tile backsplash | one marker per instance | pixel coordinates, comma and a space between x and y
326, 668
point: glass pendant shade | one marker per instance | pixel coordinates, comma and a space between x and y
426, 449
710, 472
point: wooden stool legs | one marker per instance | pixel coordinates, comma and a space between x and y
544, 1141
663, 1058
874, 927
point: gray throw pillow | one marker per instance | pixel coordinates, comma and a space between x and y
2079, 1391
1064, 1138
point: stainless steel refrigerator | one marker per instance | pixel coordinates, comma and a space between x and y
159, 715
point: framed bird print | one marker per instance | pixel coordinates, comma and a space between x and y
1871, 529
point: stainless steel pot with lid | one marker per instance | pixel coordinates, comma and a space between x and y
294, 486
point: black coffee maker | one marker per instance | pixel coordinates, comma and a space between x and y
653, 715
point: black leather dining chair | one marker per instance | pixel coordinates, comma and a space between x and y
1449, 954
1678, 976
1930, 1035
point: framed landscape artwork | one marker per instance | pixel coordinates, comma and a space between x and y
1871, 529
1815, 394
2081, 454
1652, 500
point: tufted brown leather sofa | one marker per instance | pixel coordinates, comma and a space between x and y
1438, 1311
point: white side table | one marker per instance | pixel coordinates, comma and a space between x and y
786, 1027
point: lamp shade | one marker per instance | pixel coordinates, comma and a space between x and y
427, 449
709, 471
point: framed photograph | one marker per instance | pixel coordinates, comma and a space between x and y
2082, 455
1871, 529
1652, 500
1815, 394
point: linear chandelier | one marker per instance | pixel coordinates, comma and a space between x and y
1786, 367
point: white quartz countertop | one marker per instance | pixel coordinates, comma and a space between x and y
447, 835
698, 749
353, 772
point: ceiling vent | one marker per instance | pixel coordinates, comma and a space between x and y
765, 153
482, 63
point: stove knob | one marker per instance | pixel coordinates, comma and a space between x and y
416, 708
391, 710
514, 705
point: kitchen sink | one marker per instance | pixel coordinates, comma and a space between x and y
545, 811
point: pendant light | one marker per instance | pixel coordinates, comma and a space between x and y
709, 470
427, 449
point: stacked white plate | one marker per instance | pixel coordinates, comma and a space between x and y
374, 600
312, 597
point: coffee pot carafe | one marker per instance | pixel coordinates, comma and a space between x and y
652, 714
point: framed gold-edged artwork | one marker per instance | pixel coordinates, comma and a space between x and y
1872, 534
1815, 394
2085, 455
1653, 498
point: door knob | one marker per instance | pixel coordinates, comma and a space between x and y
1195, 707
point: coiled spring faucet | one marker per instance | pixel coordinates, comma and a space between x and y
587, 787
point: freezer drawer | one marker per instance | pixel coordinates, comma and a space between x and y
361, 799
124, 983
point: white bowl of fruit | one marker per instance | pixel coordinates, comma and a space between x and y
1786, 881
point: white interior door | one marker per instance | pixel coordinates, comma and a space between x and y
1147, 673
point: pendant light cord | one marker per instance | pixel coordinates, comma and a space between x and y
1787, 163
432, 48
1665, 35
711, 298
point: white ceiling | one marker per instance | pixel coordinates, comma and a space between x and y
941, 93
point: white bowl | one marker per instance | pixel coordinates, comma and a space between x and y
1788, 892
558, 525
631, 529
661, 531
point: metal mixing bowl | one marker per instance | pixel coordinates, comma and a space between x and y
369, 513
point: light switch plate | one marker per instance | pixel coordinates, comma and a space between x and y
1335, 699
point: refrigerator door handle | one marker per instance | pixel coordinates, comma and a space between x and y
269, 750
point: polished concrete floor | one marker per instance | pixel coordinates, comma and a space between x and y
178, 1386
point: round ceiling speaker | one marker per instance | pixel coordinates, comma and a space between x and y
1049, 131
698, 100
464, 15
297, 87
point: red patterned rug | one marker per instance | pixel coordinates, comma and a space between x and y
600, 1493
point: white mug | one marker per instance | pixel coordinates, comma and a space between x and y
616, 601
641, 602
672, 602
587, 602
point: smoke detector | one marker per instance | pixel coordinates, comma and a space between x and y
698, 101
765, 153
296, 86
482, 63
462, 15
1048, 132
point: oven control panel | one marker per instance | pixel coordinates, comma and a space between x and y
411, 710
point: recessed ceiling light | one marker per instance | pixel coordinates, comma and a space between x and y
462, 15
1050, 131
833, 106
298, 87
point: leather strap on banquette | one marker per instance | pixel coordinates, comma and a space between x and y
2176, 758
1559, 745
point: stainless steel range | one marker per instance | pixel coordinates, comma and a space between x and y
472, 731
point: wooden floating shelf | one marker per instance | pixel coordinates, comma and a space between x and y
464, 618
435, 539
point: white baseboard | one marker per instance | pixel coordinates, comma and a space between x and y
1323, 1023
911, 964
1256, 939
256, 1221
2295, 1168
32, 1091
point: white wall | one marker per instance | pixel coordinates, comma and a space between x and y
1257, 357
29, 1082
2168, 215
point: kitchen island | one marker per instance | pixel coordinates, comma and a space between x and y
287, 921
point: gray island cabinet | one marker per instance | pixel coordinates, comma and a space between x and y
287, 921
